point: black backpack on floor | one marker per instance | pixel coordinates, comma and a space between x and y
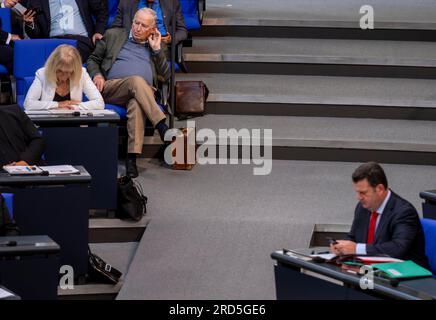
131, 200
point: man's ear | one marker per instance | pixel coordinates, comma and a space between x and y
380, 188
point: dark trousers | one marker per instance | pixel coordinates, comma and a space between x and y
84, 45
7, 57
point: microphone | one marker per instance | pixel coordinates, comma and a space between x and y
11, 243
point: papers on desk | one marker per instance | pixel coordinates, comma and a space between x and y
43, 170
23, 170
69, 112
325, 256
5, 294
60, 170
371, 260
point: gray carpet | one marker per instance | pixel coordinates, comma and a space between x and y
321, 10
318, 89
326, 129
312, 51
213, 229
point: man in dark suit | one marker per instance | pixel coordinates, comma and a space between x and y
6, 39
384, 223
20, 142
127, 9
69, 19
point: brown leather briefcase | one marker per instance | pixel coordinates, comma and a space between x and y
189, 156
191, 99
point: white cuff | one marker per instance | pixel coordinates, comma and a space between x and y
2, 5
8, 39
361, 248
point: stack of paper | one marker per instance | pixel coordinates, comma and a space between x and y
23, 170
60, 170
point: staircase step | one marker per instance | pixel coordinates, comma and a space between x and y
312, 57
118, 255
116, 230
396, 20
319, 96
337, 139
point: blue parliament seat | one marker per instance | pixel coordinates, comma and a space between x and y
29, 56
429, 227
112, 11
9, 199
191, 10
25, 68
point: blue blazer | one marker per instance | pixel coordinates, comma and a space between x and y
399, 233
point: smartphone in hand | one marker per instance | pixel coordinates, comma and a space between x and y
36, 10
331, 241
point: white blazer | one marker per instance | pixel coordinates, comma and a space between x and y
41, 93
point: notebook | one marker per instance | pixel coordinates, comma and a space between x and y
402, 270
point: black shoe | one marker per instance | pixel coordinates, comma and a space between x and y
131, 168
162, 128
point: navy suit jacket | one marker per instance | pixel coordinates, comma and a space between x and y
399, 232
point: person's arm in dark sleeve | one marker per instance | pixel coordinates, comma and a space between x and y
33, 30
99, 10
161, 64
181, 31
405, 228
3, 37
95, 59
34, 141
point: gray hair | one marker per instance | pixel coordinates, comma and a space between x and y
148, 11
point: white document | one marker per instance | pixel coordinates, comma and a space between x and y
5, 294
60, 170
376, 259
69, 112
325, 256
22, 170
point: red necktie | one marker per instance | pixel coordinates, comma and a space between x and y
371, 230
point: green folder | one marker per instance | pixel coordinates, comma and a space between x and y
402, 270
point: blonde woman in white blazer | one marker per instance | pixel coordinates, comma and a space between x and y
62, 83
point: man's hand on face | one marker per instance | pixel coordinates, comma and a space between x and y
343, 247
10, 3
155, 40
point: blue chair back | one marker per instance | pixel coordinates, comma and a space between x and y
5, 16
29, 56
112, 10
429, 227
190, 14
9, 198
